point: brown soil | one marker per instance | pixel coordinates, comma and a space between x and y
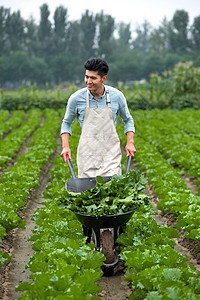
114, 287
190, 183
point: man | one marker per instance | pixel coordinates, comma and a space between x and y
96, 107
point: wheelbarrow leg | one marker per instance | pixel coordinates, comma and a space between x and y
115, 233
87, 232
97, 233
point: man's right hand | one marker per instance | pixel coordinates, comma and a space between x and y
65, 146
66, 151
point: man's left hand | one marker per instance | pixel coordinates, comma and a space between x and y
130, 150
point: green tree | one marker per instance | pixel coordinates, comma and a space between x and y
18, 67
73, 38
179, 32
169, 60
141, 42
125, 68
39, 71
196, 33
105, 30
45, 31
31, 37
124, 32
74, 51
3, 69
87, 35
159, 39
15, 31
153, 64
122, 43
62, 68
60, 27
141, 46
4, 12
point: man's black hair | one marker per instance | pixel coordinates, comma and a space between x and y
97, 64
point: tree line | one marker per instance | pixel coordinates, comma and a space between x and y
55, 52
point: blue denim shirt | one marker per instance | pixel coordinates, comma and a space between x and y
77, 104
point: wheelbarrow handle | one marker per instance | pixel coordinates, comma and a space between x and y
70, 167
128, 163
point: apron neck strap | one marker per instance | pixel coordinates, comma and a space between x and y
88, 103
107, 99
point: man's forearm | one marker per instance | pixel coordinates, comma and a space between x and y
65, 140
130, 149
130, 137
65, 146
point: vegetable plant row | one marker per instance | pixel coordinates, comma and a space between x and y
15, 120
13, 142
17, 181
167, 181
64, 266
184, 120
4, 115
169, 137
155, 269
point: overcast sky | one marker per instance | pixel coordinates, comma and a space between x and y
128, 11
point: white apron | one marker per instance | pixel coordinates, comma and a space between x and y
99, 151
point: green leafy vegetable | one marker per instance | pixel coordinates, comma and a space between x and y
119, 195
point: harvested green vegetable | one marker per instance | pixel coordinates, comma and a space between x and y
119, 195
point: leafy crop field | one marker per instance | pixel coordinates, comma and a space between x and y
63, 266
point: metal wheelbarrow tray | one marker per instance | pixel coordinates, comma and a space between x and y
93, 225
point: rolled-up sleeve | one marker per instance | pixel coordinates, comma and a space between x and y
69, 117
125, 115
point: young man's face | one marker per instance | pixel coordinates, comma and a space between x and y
94, 81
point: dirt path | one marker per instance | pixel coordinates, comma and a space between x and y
114, 287
20, 254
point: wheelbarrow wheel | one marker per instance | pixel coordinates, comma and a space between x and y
107, 244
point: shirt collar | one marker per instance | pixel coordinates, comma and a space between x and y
104, 94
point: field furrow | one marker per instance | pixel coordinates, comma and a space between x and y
15, 120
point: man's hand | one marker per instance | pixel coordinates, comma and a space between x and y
65, 145
130, 148
66, 151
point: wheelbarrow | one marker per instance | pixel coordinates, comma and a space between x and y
103, 231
